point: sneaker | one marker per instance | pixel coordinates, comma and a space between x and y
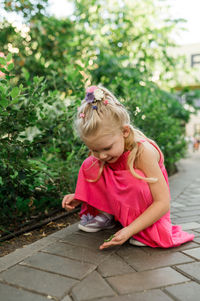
137, 243
98, 223
85, 218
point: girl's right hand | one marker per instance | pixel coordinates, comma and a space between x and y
69, 203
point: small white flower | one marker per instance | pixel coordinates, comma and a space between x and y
98, 94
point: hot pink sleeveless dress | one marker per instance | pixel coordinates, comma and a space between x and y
119, 193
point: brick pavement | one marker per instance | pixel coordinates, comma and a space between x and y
67, 265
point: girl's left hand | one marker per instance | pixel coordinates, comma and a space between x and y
119, 238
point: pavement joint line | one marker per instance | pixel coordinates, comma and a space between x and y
51, 272
169, 294
14, 258
186, 274
23, 288
71, 258
156, 287
70, 290
106, 279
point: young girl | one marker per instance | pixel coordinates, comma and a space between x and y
124, 179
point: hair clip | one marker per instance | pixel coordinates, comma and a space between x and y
94, 94
94, 107
82, 115
98, 94
105, 102
89, 97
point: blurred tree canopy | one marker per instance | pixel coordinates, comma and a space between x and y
120, 44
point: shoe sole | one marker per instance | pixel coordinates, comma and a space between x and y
93, 230
137, 243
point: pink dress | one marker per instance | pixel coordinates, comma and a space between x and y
119, 193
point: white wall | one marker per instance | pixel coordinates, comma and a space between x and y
192, 54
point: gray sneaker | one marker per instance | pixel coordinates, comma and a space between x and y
98, 223
86, 218
137, 243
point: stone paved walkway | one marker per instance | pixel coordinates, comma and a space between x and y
67, 265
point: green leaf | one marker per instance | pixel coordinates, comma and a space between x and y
3, 89
3, 70
2, 61
15, 92
10, 66
4, 113
26, 74
15, 174
36, 79
9, 57
14, 101
4, 103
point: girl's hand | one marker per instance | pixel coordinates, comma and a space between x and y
118, 239
69, 203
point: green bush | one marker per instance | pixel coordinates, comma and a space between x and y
39, 155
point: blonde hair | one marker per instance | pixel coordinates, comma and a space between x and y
90, 120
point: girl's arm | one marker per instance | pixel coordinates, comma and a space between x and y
148, 164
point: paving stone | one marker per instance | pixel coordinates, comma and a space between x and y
189, 208
9, 293
61, 234
153, 295
197, 238
185, 292
128, 250
38, 281
177, 205
67, 298
191, 270
88, 241
161, 260
194, 253
181, 220
188, 213
81, 254
59, 265
114, 265
20, 254
188, 226
93, 286
192, 232
140, 281
146, 261
186, 246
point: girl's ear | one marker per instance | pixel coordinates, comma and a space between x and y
126, 131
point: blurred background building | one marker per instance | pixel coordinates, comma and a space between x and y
191, 52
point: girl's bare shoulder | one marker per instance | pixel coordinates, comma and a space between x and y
148, 154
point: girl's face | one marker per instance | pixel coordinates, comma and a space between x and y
108, 147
